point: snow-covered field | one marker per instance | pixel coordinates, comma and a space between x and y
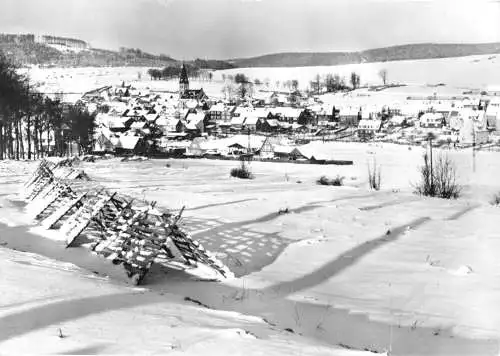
347, 265
470, 71
48, 307
477, 72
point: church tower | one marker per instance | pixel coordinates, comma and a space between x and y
183, 80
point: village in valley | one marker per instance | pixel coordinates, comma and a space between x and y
275, 124
285, 181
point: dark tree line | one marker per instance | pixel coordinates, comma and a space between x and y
334, 83
33, 125
173, 72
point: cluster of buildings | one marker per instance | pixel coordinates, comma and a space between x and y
141, 121
69, 43
65, 42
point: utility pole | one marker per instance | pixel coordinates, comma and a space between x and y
432, 174
249, 146
430, 137
473, 148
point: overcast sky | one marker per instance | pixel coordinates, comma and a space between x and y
240, 28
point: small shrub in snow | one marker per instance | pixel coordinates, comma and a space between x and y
337, 181
438, 178
374, 176
242, 172
495, 200
283, 211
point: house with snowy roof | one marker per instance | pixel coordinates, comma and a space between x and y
170, 125
432, 120
368, 128
128, 143
267, 125
271, 148
493, 114
349, 115
474, 127
216, 111
102, 141
195, 123
237, 123
250, 123
285, 114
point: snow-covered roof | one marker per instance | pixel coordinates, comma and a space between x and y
151, 117
397, 119
219, 107
138, 125
136, 112
273, 122
166, 121
195, 118
237, 120
431, 117
471, 114
128, 142
240, 110
348, 111
283, 149
260, 112
116, 122
191, 126
251, 120
369, 124
286, 112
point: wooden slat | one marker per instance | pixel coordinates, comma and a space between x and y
82, 219
54, 218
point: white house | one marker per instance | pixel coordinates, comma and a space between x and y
493, 114
368, 128
432, 120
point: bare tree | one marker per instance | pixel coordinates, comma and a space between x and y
355, 80
383, 75
316, 84
229, 90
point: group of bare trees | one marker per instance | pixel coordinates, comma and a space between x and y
334, 83
237, 87
173, 72
33, 125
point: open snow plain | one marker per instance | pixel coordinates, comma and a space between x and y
346, 265
459, 74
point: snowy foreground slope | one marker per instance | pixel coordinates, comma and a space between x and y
54, 307
42, 300
346, 265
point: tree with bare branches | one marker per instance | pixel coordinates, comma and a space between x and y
383, 75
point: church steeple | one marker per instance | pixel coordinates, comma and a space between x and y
183, 80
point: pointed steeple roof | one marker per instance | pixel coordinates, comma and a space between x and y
184, 76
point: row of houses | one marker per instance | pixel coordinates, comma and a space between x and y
129, 116
259, 147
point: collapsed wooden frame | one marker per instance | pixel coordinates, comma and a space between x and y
111, 225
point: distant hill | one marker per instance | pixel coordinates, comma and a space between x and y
394, 53
67, 52
56, 51
52, 51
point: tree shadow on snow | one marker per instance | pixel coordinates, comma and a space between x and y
23, 322
87, 350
